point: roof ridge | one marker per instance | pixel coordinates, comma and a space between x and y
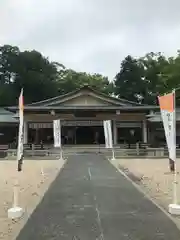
118, 99
85, 86
53, 98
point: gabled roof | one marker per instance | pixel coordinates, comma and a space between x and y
84, 98
85, 90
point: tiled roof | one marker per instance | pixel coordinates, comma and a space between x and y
6, 116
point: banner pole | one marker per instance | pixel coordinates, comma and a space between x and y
175, 186
61, 154
15, 193
16, 211
113, 154
175, 165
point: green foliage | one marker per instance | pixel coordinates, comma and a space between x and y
8, 58
143, 79
36, 75
40, 78
129, 82
139, 79
153, 68
71, 80
28, 69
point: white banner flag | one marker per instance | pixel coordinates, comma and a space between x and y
167, 106
20, 136
57, 133
108, 133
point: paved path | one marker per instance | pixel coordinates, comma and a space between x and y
91, 200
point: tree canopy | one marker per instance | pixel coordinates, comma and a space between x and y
139, 79
40, 78
143, 79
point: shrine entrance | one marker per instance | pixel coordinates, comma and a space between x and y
90, 135
85, 135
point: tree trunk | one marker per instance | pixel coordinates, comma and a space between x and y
171, 165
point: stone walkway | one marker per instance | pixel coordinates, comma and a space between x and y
91, 200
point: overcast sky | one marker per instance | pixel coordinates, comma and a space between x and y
91, 35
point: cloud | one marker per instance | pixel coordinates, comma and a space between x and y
92, 35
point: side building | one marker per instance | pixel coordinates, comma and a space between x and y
8, 127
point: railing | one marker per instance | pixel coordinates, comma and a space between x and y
3, 149
121, 151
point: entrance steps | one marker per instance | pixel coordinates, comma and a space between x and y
49, 152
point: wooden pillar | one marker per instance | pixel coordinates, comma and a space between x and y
144, 131
114, 132
75, 135
37, 135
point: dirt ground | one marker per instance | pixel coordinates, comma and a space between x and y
154, 176
34, 181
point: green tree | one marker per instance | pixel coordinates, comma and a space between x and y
37, 75
129, 82
70, 80
40, 78
8, 60
153, 65
143, 79
29, 70
171, 76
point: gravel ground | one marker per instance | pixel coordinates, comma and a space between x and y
154, 177
34, 181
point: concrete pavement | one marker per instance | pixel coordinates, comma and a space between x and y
91, 200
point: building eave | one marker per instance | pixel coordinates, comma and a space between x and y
85, 108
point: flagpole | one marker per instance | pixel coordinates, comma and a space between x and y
61, 154
16, 211
175, 207
175, 165
113, 154
168, 111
